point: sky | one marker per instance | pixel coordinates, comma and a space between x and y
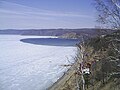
46, 14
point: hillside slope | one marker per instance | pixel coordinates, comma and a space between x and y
103, 55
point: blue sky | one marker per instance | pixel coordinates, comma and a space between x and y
25, 14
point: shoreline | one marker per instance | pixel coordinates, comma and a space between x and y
64, 78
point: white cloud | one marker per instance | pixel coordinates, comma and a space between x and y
14, 15
13, 8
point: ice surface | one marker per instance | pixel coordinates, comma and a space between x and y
25, 66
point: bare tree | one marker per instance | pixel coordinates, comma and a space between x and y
116, 2
108, 13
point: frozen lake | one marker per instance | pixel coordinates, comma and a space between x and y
27, 65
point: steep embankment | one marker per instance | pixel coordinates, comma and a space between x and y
106, 70
103, 55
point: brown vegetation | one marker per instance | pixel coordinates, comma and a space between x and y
103, 56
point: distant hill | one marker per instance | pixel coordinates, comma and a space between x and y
55, 32
70, 35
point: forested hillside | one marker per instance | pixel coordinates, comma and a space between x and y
54, 32
96, 68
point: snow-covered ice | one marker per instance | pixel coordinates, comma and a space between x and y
25, 66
